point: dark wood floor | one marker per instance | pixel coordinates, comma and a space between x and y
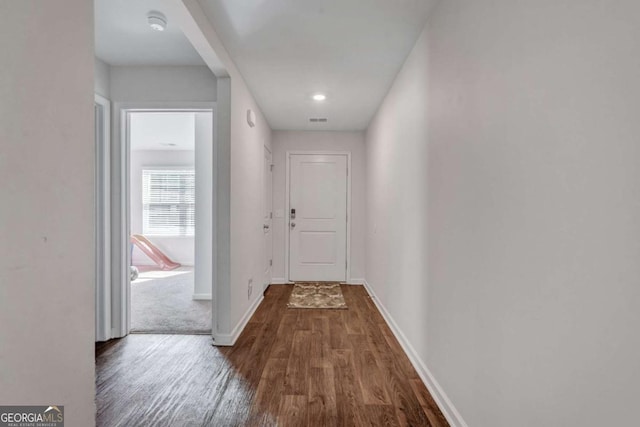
288, 368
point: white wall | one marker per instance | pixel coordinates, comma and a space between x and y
47, 213
179, 249
352, 142
165, 130
222, 249
521, 176
246, 189
166, 83
102, 78
396, 233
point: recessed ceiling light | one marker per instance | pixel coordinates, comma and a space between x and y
319, 97
157, 21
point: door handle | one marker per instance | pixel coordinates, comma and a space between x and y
265, 227
293, 225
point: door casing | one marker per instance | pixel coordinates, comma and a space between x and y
103, 218
120, 232
267, 210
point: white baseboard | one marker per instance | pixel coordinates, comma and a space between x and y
444, 403
283, 281
230, 339
201, 297
182, 264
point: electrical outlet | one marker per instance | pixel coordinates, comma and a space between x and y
250, 288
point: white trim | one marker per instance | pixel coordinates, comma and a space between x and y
121, 255
280, 281
355, 282
230, 339
287, 226
201, 297
266, 285
444, 403
287, 196
119, 258
103, 219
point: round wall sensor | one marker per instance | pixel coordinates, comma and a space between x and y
157, 21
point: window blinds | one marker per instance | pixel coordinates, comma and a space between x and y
168, 202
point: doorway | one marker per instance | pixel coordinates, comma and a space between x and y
162, 206
167, 207
318, 203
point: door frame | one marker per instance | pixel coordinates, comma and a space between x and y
287, 227
264, 150
120, 198
103, 218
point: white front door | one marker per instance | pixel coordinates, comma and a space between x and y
267, 215
318, 217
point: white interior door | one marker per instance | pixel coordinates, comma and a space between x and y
267, 216
318, 217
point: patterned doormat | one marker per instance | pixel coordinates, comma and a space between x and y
317, 295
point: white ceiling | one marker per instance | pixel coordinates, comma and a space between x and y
162, 131
288, 50
123, 36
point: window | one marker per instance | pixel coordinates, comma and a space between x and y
168, 202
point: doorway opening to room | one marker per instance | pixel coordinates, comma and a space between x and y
169, 208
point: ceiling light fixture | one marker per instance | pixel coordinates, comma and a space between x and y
157, 20
319, 97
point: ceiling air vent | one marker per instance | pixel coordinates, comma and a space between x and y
318, 120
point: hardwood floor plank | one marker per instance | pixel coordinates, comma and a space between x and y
369, 374
431, 410
270, 388
304, 319
285, 331
398, 354
320, 343
293, 411
298, 366
349, 399
289, 367
338, 338
381, 416
322, 409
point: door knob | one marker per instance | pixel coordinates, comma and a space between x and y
293, 225
265, 227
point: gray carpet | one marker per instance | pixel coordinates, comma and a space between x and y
161, 302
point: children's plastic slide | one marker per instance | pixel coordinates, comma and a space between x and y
152, 251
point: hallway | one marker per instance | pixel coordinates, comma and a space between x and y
288, 368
